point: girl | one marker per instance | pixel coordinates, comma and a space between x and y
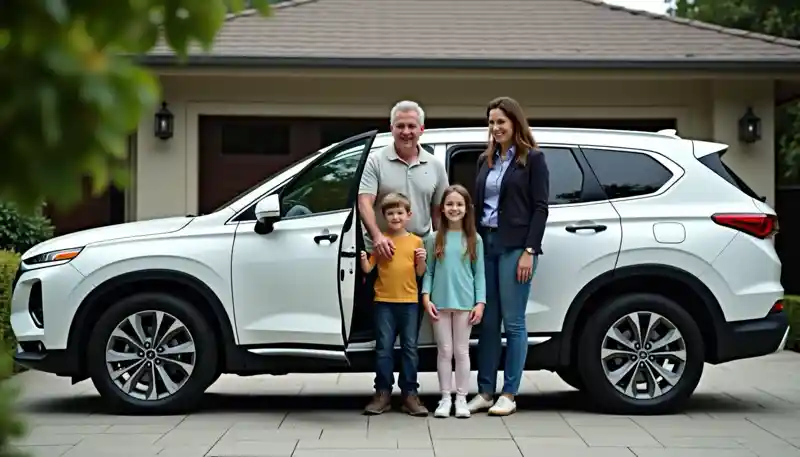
454, 293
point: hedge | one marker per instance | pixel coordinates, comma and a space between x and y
20, 231
8, 268
791, 303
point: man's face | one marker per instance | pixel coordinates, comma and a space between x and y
406, 129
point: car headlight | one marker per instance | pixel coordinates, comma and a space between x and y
61, 255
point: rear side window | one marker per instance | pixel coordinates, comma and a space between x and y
624, 174
714, 163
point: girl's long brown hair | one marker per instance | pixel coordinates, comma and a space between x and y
467, 224
523, 138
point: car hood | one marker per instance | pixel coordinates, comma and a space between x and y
109, 233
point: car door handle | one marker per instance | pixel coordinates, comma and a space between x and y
585, 226
327, 236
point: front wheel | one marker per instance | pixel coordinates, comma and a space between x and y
152, 353
641, 354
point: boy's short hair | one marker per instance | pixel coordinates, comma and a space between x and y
395, 200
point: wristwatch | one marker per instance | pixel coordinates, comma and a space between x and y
529, 250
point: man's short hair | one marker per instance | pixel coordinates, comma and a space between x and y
407, 105
395, 200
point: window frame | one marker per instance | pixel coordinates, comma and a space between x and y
671, 166
591, 191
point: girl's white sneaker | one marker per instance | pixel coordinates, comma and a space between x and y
478, 403
445, 405
462, 410
503, 407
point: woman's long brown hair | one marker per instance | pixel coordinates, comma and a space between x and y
467, 224
523, 138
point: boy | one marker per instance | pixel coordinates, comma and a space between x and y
397, 308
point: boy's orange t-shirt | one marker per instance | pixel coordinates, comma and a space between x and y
397, 278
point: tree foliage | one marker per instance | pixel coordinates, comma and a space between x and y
70, 95
71, 91
772, 17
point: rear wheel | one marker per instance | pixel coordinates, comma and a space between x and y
152, 353
641, 354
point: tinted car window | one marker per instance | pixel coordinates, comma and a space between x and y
325, 187
566, 176
627, 174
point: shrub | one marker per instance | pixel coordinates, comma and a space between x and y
20, 231
8, 268
10, 425
791, 304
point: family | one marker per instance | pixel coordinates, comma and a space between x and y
463, 258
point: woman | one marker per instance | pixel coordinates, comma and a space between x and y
511, 193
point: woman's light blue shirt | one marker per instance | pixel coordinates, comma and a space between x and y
455, 281
494, 181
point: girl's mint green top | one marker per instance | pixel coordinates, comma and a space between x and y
455, 282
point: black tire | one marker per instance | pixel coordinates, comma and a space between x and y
571, 376
206, 354
215, 378
605, 396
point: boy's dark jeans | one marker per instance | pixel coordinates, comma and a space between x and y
392, 319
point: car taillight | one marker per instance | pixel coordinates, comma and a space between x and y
777, 307
758, 225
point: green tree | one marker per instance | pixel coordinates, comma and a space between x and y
71, 91
772, 17
70, 95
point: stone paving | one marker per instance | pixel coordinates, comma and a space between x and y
742, 409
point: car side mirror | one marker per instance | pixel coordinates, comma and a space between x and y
268, 210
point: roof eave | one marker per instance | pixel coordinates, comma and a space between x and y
689, 64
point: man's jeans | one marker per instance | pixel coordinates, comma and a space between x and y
391, 319
506, 301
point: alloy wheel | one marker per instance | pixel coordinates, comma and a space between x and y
643, 355
150, 355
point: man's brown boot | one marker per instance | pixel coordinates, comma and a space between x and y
381, 402
413, 406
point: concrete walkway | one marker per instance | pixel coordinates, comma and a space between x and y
742, 409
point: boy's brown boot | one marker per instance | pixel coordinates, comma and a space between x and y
413, 406
381, 402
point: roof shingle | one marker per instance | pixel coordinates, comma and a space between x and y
487, 33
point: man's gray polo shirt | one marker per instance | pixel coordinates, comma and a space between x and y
423, 182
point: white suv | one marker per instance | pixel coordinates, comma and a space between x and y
659, 258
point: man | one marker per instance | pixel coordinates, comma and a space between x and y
405, 168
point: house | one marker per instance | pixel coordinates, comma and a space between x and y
275, 89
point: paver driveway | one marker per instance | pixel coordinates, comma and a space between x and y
747, 408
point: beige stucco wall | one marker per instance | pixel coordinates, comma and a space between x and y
166, 171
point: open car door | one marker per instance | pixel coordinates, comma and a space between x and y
293, 270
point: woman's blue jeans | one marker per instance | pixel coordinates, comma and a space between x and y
506, 301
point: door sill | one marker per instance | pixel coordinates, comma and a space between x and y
370, 345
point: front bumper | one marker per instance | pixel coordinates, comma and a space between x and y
752, 338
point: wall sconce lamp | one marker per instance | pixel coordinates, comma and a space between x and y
749, 127
164, 123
